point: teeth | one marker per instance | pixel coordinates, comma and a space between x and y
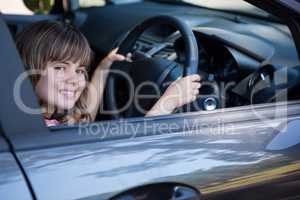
67, 93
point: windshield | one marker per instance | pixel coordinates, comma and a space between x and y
239, 6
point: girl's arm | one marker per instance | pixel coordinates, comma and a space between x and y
98, 81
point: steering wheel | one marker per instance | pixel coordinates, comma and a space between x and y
150, 64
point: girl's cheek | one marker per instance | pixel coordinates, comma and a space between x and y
58, 75
82, 84
52, 75
44, 89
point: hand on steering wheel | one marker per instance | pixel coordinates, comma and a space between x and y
182, 91
114, 56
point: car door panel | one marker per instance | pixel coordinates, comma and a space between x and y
213, 162
11, 177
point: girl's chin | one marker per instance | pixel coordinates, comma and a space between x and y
66, 105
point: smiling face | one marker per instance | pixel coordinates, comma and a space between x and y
61, 84
59, 53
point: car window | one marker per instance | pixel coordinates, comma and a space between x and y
240, 6
14, 7
91, 3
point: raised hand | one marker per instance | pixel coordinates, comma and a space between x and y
112, 57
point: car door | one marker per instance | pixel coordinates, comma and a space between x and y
228, 154
11, 176
237, 162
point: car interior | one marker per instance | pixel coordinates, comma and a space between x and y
244, 58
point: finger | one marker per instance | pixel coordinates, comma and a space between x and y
195, 92
196, 85
117, 57
195, 77
190, 99
114, 51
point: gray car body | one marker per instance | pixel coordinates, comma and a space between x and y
11, 177
204, 159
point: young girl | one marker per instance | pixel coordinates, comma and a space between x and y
61, 54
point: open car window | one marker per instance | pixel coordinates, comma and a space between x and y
236, 52
91, 3
234, 5
16, 7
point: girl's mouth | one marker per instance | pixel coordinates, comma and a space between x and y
68, 93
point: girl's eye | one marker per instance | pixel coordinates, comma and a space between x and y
60, 68
81, 71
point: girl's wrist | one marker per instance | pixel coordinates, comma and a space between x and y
101, 71
167, 104
104, 65
162, 107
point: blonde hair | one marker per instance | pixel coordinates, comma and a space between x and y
48, 41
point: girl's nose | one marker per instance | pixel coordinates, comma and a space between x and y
71, 77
